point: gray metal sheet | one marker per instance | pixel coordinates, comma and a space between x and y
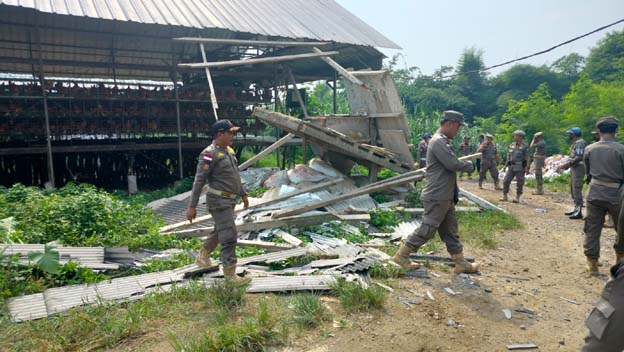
120, 288
27, 307
323, 20
275, 257
291, 283
60, 299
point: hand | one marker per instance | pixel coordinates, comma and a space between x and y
191, 213
245, 202
526, 171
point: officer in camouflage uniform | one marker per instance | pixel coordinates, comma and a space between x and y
439, 197
577, 171
489, 161
466, 149
518, 163
218, 167
480, 141
422, 150
606, 321
539, 146
604, 162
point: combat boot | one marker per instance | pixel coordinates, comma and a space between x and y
592, 266
568, 213
496, 186
517, 199
619, 257
462, 265
578, 214
480, 184
539, 191
402, 258
229, 273
505, 198
203, 258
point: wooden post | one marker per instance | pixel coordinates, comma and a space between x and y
296, 92
334, 92
346, 74
265, 152
213, 96
45, 112
260, 60
179, 123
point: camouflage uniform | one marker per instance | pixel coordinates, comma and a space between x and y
577, 171
517, 156
606, 321
422, 154
465, 150
538, 158
218, 167
489, 162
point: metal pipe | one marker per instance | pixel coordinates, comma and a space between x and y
45, 113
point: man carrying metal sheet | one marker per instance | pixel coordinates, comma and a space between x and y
218, 167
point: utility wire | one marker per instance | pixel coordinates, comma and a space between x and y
539, 52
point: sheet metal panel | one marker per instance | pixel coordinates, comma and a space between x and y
290, 283
27, 307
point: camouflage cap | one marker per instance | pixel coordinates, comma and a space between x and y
519, 132
607, 120
455, 116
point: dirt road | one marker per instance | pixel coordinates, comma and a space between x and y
539, 268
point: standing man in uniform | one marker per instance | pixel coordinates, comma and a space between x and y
489, 161
218, 167
439, 197
518, 163
465, 149
577, 171
422, 150
604, 162
539, 146
480, 140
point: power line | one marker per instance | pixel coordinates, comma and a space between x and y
537, 53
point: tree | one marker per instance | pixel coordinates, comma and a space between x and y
606, 60
472, 83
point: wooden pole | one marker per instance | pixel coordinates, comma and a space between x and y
296, 92
261, 60
334, 93
213, 96
346, 74
45, 113
246, 42
179, 123
265, 152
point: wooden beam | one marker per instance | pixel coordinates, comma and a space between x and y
269, 246
265, 152
281, 198
213, 96
242, 42
421, 211
297, 94
261, 60
346, 74
484, 204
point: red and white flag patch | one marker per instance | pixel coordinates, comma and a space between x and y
207, 157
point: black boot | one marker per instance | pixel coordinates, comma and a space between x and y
578, 214
573, 211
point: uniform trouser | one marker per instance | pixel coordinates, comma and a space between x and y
479, 166
577, 174
596, 211
539, 166
606, 320
422, 163
491, 167
439, 216
519, 175
224, 234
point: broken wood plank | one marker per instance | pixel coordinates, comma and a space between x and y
261, 60
289, 238
526, 346
480, 201
313, 188
336, 66
421, 211
242, 42
213, 95
435, 258
265, 152
297, 94
269, 246
357, 192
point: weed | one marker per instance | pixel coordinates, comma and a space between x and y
258, 192
355, 298
390, 249
227, 294
386, 271
480, 228
309, 310
384, 219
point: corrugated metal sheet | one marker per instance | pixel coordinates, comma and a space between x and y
291, 283
27, 307
275, 257
323, 20
60, 299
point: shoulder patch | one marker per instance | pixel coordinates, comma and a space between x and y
230, 150
207, 156
220, 155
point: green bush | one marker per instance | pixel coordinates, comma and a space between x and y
355, 298
384, 219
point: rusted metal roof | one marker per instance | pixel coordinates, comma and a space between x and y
323, 20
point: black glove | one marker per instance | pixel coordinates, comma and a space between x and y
456, 195
588, 179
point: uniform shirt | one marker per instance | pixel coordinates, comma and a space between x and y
218, 167
577, 149
604, 161
442, 165
517, 155
540, 148
489, 152
465, 149
422, 149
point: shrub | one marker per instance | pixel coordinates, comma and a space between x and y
309, 311
355, 298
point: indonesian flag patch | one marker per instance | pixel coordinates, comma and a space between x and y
207, 157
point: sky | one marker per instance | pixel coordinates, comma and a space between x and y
435, 32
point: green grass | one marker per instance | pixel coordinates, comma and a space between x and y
309, 311
227, 294
386, 271
555, 184
355, 298
480, 228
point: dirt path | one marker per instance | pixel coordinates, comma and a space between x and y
532, 268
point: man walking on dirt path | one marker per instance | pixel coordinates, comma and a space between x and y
604, 162
577, 171
466, 149
539, 146
518, 163
422, 150
439, 197
489, 161
218, 167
